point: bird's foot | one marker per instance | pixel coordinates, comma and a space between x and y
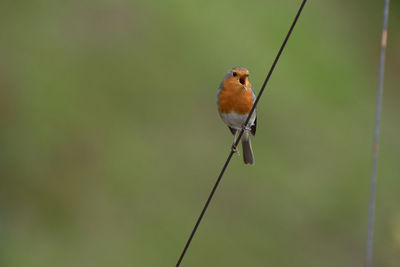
246, 128
235, 150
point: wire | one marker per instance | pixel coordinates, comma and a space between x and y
371, 213
239, 137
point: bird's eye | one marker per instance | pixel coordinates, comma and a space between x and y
234, 74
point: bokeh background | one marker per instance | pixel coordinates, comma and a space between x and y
110, 138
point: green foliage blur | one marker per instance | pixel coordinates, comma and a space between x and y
110, 138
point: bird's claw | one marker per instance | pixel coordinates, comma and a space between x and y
235, 150
246, 128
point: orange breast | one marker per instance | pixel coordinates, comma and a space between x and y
235, 99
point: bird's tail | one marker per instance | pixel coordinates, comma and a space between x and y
248, 157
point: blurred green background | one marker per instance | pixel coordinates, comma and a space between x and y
111, 141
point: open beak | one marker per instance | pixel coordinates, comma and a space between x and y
242, 80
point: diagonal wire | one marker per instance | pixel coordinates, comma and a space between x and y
371, 213
239, 137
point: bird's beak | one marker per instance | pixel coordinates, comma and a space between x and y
242, 80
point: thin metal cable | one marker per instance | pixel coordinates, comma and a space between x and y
371, 213
239, 137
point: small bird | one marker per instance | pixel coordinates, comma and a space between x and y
235, 99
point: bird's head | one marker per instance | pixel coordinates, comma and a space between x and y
238, 78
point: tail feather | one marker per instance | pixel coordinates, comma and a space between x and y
248, 157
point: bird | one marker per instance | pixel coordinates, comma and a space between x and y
235, 99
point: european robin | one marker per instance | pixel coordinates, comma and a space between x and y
235, 99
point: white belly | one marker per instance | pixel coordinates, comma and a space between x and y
235, 120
